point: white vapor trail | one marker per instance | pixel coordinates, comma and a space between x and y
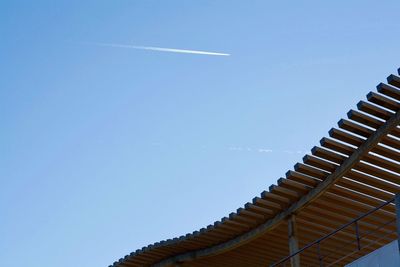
162, 49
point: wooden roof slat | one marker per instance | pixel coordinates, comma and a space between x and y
378, 183
228, 227
360, 188
392, 142
188, 244
214, 233
383, 101
244, 219
394, 80
258, 209
268, 204
196, 237
383, 163
328, 154
278, 199
395, 132
388, 90
325, 214
351, 184
252, 214
170, 250
352, 209
295, 186
137, 259
346, 137
285, 192
388, 153
343, 193
234, 223
382, 174
311, 171
359, 203
356, 141
309, 181
369, 201
325, 217
312, 221
362, 131
381, 150
155, 253
319, 163
336, 146
307, 222
302, 178
201, 238
189, 240
339, 241
354, 186
317, 231
334, 247
364, 119
355, 128
374, 110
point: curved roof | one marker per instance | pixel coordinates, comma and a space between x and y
353, 170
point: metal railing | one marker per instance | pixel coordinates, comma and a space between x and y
334, 256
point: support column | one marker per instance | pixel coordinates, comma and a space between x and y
293, 241
397, 202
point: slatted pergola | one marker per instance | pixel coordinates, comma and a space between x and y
353, 170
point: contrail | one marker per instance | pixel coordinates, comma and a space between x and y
162, 49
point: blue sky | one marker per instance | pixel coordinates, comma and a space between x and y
106, 149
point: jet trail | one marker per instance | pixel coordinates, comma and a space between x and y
162, 49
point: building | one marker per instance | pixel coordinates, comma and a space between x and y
338, 207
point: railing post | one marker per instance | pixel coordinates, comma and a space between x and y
319, 254
293, 241
397, 202
357, 235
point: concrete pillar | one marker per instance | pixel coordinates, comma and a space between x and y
293, 241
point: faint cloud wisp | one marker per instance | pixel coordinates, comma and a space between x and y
260, 150
265, 150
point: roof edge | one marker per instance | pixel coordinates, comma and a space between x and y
295, 207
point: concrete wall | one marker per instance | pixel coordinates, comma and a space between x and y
386, 256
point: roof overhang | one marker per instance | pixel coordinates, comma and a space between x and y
355, 169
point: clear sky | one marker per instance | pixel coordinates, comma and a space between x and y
108, 149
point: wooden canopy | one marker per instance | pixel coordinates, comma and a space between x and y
353, 170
